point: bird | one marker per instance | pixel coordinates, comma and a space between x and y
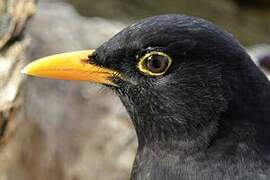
199, 105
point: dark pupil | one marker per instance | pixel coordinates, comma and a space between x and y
156, 63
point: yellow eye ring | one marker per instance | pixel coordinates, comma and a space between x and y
160, 60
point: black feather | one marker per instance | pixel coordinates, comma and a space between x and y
208, 117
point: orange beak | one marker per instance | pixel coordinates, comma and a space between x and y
70, 66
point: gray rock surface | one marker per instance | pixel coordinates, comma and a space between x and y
258, 52
84, 133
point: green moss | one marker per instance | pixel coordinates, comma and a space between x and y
249, 24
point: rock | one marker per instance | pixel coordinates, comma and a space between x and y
85, 133
13, 17
260, 54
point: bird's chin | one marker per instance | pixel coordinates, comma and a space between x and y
113, 87
120, 86
117, 84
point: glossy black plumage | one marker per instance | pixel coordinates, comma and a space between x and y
208, 117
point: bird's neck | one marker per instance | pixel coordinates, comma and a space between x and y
244, 121
237, 112
171, 138
244, 124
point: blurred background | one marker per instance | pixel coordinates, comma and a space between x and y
62, 130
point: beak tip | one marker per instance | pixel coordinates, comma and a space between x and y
24, 70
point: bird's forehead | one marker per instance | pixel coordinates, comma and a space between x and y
157, 30
174, 32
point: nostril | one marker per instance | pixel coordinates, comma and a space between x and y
92, 58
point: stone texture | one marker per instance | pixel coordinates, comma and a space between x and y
13, 17
83, 130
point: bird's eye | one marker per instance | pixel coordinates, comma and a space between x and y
154, 63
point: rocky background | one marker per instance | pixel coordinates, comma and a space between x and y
63, 130
84, 127
69, 130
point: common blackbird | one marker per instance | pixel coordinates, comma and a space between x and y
199, 105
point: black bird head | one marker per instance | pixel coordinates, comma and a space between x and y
178, 77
